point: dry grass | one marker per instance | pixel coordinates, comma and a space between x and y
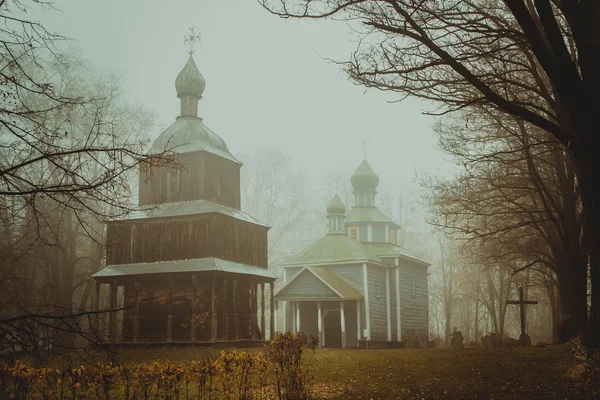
472, 373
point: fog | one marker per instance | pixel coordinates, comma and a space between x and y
268, 83
413, 216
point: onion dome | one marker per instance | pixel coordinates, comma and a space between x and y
190, 81
336, 206
189, 133
364, 178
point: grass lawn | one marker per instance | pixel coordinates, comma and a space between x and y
472, 373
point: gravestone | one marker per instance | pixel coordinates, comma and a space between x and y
457, 339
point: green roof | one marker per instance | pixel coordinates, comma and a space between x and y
335, 287
188, 134
364, 178
191, 208
336, 206
386, 250
333, 248
182, 266
361, 214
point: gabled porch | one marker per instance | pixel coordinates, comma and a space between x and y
322, 304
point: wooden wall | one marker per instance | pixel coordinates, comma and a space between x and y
201, 176
154, 309
189, 237
414, 307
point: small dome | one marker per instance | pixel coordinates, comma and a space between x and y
336, 207
190, 81
364, 178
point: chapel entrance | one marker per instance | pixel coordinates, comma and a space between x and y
333, 329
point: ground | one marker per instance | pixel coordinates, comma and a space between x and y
471, 373
500, 373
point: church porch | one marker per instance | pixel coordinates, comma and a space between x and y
215, 302
335, 322
317, 302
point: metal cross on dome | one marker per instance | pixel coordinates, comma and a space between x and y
365, 143
192, 38
337, 184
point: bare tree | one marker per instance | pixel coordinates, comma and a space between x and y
517, 194
275, 194
535, 61
68, 147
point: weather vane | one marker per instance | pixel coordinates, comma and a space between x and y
192, 38
365, 143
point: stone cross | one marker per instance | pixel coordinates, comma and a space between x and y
191, 39
522, 302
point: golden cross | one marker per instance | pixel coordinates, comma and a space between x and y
191, 39
365, 143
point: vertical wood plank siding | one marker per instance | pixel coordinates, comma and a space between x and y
207, 235
377, 307
414, 309
204, 176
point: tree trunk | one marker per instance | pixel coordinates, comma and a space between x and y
477, 320
587, 167
554, 309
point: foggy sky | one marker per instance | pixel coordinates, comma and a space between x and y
267, 82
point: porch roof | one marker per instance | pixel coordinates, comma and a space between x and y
320, 284
186, 208
182, 266
387, 250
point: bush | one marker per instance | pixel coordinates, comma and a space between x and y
286, 355
233, 375
586, 372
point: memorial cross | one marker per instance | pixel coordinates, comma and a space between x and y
522, 302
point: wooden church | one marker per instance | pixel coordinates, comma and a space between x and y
355, 287
190, 265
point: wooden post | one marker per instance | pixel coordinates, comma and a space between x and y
213, 322
193, 320
357, 323
252, 310
294, 316
262, 311
320, 323
136, 319
398, 305
225, 312
170, 317
112, 317
343, 324
236, 316
97, 309
272, 316
388, 306
297, 316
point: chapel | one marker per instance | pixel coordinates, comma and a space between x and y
355, 287
189, 266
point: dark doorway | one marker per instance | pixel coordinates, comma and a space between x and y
333, 329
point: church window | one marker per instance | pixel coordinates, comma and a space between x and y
413, 285
219, 187
172, 182
392, 236
353, 232
377, 290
